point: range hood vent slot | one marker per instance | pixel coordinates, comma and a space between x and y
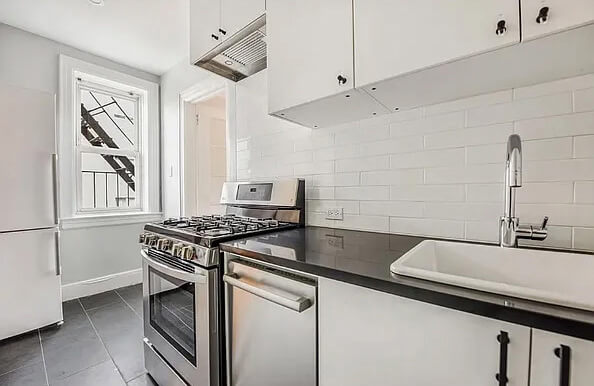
240, 56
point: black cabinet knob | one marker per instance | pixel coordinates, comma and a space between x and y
543, 15
501, 28
222, 31
341, 79
215, 37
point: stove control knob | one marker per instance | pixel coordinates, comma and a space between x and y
142, 237
188, 253
150, 240
163, 244
176, 249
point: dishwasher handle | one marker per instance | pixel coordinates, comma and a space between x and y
298, 304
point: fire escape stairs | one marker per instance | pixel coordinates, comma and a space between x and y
122, 165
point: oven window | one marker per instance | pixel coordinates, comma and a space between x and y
172, 311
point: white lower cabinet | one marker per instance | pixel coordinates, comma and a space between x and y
559, 360
368, 337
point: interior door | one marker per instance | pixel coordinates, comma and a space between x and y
310, 44
205, 21
30, 292
394, 37
559, 360
27, 144
543, 17
236, 14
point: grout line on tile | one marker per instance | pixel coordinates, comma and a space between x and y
128, 304
42, 357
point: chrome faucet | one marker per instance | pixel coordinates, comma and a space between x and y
510, 230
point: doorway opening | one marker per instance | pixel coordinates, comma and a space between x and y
204, 154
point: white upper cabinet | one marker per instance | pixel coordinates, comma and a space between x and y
236, 14
310, 50
394, 37
559, 360
205, 21
542, 17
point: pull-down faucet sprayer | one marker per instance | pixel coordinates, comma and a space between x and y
509, 228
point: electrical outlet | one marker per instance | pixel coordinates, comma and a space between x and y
334, 214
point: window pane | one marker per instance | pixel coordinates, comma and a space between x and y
108, 120
108, 181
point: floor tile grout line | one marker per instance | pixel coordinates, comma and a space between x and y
43, 358
128, 304
102, 342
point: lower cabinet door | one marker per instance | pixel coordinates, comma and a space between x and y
559, 360
368, 337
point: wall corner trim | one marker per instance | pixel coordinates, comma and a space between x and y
101, 284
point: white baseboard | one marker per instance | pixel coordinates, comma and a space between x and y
101, 284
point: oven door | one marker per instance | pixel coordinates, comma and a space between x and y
180, 304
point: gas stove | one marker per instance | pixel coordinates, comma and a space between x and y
251, 208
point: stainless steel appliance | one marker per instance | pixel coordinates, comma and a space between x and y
30, 285
271, 324
182, 284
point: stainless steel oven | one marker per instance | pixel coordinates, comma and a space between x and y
181, 302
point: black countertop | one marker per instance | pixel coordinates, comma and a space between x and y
364, 259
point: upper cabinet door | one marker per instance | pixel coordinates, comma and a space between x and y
561, 360
542, 17
394, 37
310, 50
236, 14
205, 20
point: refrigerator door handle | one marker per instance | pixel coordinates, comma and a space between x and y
55, 186
57, 245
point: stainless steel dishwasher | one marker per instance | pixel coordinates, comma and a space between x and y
271, 323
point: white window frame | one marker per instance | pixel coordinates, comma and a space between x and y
74, 72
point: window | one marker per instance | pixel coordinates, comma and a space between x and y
108, 145
108, 149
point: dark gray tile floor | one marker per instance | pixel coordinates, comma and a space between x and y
100, 343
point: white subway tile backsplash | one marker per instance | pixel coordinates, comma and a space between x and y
431, 124
584, 146
553, 127
555, 87
584, 192
362, 164
558, 170
465, 174
439, 193
392, 208
438, 170
470, 136
427, 227
392, 177
584, 100
448, 157
468, 103
363, 193
583, 238
521, 109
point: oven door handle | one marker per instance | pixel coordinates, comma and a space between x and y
176, 273
292, 302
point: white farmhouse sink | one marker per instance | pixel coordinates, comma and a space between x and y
560, 278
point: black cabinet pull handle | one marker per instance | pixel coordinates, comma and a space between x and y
543, 15
215, 37
563, 352
501, 376
341, 79
501, 28
222, 31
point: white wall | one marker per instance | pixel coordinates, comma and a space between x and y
437, 170
31, 61
173, 83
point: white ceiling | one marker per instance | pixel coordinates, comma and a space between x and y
150, 35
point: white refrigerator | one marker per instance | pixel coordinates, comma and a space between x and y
30, 286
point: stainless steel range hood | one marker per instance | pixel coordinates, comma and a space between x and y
240, 56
